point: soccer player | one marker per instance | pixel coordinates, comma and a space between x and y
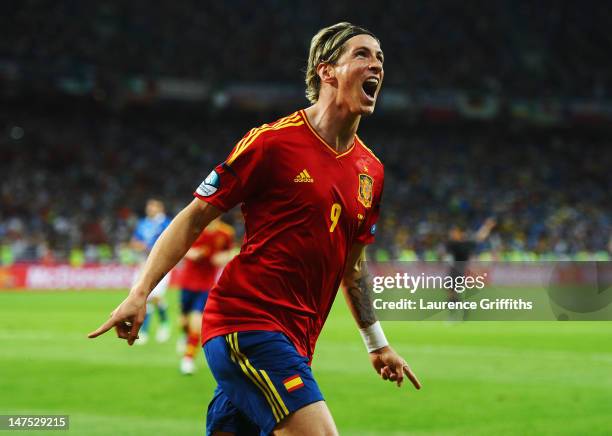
460, 247
208, 254
310, 192
146, 233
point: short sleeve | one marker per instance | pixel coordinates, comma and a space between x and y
367, 231
241, 176
138, 233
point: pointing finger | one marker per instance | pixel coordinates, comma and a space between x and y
411, 376
102, 329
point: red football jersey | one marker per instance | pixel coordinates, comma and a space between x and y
200, 275
304, 206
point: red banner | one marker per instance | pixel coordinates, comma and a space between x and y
31, 276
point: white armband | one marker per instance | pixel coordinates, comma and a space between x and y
374, 337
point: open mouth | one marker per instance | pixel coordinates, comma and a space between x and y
370, 86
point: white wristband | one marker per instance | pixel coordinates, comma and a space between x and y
374, 337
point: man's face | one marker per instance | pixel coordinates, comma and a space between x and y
359, 73
154, 207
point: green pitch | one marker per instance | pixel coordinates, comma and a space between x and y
478, 378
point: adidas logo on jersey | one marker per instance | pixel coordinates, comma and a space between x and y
303, 177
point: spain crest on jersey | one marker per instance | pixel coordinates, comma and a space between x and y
365, 190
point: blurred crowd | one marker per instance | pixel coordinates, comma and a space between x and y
519, 48
550, 193
73, 186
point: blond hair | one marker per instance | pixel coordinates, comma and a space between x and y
327, 46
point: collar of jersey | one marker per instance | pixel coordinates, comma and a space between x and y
159, 218
327, 146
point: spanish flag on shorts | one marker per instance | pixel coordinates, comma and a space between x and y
292, 383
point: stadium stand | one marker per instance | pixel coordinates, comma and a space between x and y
518, 48
77, 183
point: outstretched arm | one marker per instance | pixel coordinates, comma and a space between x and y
387, 363
484, 231
167, 251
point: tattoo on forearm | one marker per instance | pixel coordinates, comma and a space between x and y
359, 295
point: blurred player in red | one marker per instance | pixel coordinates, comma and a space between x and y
310, 192
203, 263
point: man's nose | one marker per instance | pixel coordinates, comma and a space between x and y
376, 66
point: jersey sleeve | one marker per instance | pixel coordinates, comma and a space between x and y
367, 230
138, 232
240, 177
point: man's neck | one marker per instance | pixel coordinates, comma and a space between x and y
335, 125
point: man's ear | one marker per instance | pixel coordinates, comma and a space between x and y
326, 73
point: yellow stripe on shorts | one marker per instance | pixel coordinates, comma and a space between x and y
259, 385
271, 387
254, 376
